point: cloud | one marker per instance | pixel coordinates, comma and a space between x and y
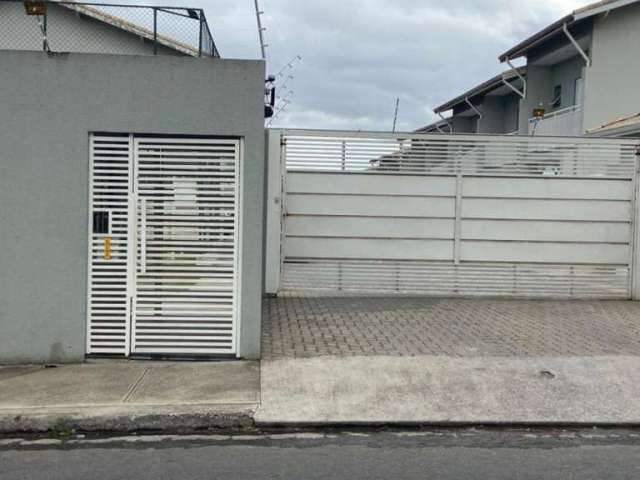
360, 55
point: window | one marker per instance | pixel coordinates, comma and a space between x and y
557, 97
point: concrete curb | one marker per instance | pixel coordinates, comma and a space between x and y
462, 424
165, 418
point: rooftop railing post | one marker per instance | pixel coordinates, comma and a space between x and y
200, 34
155, 31
45, 42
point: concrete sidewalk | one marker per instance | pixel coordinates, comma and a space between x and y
448, 390
129, 395
421, 360
363, 361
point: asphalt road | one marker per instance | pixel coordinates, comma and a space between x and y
442, 454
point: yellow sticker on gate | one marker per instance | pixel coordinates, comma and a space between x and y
107, 248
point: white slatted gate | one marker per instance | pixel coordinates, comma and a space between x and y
371, 213
168, 285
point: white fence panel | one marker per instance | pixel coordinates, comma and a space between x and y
371, 213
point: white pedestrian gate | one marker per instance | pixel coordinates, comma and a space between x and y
449, 215
163, 245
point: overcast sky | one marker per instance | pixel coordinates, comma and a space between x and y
359, 55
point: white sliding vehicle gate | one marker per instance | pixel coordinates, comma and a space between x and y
163, 245
468, 215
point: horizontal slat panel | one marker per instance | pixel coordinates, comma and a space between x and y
338, 183
549, 187
378, 153
369, 248
107, 299
358, 277
370, 206
585, 210
544, 252
190, 214
369, 227
545, 231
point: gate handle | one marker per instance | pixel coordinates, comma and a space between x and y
143, 236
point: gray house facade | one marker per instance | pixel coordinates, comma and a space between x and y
491, 107
131, 187
581, 75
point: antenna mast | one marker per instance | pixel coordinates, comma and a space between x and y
261, 29
395, 115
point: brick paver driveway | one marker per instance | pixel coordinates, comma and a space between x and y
406, 326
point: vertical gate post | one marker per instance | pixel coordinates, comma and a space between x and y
274, 210
457, 226
635, 231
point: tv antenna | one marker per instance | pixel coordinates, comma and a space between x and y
395, 115
289, 65
285, 102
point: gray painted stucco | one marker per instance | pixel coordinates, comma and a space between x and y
492, 111
611, 83
499, 115
464, 124
565, 75
538, 88
511, 109
48, 106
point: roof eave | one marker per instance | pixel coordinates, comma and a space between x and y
478, 90
520, 49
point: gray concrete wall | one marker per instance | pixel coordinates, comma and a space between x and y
48, 107
464, 124
565, 75
611, 83
510, 113
492, 115
538, 95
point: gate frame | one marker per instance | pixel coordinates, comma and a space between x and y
276, 207
275, 210
635, 229
132, 238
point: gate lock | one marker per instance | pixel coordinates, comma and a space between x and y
106, 248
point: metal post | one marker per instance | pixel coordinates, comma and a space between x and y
200, 35
457, 233
45, 42
573, 41
155, 31
263, 45
276, 210
634, 263
395, 115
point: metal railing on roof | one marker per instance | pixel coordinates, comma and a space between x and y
69, 26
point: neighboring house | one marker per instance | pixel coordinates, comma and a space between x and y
581, 73
582, 70
621, 127
491, 107
131, 185
81, 28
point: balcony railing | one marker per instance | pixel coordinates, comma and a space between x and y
566, 122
